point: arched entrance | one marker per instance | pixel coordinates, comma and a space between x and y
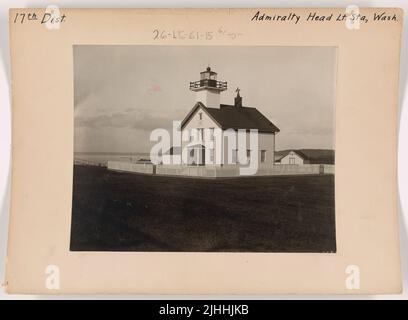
196, 155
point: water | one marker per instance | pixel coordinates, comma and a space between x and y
102, 158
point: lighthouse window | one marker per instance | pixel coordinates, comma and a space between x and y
263, 155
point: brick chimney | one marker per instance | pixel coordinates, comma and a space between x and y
238, 99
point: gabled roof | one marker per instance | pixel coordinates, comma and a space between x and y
173, 151
234, 117
281, 154
193, 111
315, 156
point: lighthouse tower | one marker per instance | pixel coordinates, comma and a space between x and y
208, 88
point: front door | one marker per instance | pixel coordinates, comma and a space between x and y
197, 156
202, 162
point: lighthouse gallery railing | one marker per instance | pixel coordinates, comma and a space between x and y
208, 83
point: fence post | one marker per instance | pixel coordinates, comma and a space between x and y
321, 169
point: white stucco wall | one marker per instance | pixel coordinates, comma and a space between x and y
266, 141
209, 98
195, 122
293, 155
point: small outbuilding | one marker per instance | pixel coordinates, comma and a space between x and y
304, 156
291, 157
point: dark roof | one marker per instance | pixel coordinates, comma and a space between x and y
173, 151
234, 117
280, 154
315, 156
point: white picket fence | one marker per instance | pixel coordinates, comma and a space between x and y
233, 171
130, 167
224, 171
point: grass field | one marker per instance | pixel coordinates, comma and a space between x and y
115, 211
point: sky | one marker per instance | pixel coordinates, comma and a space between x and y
122, 93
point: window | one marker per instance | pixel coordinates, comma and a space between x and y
263, 155
211, 133
234, 156
292, 160
212, 155
248, 153
200, 116
200, 134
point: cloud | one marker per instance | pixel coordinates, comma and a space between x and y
120, 89
128, 119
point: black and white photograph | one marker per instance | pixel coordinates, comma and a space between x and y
204, 149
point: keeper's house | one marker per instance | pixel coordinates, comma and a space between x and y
208, 113
210, 122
